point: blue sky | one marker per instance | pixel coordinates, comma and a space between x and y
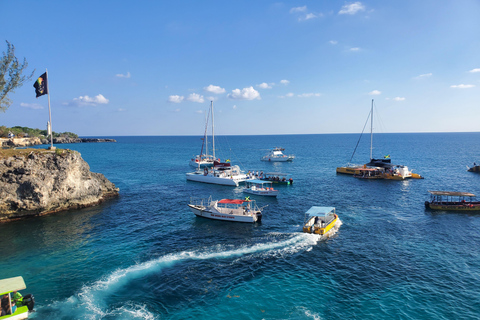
296, 67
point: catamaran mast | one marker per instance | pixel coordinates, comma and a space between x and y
371, 132
213, 130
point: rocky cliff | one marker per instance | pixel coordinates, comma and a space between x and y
38, 182
27, 142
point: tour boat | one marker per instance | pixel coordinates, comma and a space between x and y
204, 159
23, 306
260, 188
320, 220
277, 155
392, 172
276, 177
453, 201
221, 173
235, 210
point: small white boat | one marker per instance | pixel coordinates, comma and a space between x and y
236, 210
21, 306
260, 188
277, 155
221, 173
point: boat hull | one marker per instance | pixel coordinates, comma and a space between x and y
266, 193
453, 206
323, 230
474, 169
274, 159
20, 313
203, 212
349, 170
200, 177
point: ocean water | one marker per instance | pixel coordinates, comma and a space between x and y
144, 255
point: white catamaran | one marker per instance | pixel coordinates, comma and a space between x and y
221, 173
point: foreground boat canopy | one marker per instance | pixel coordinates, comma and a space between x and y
233, 201
12, 284
452, 193
316, 211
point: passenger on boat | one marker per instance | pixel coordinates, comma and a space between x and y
17, 298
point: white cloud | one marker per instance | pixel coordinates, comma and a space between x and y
474, 70
195, 97
426, 75
288, 95
298, 9
176, 99
90, 101
177, 110
244, 94
264, 86
123, 75
462, 86
375, 93
399, 99
214, 89
121, 110
285, 82
199, 111
309, 16
334, 42
34, 106
352, 8
355, 49
234, 106
308, 95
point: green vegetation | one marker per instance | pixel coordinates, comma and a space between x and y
21, 132
11, 76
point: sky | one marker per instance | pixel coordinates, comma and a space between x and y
120, 68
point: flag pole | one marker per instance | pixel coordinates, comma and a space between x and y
49, 113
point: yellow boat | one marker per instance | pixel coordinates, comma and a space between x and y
319, 220
349, 169
452, 201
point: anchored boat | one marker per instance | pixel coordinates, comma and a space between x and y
451, 200
15, 306
319, 220
236, 210
260, 188
276, 155
276, 177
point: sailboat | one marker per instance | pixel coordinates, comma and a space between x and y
222, 172
204, 159
383, 167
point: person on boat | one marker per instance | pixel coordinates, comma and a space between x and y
5, 306
17, 298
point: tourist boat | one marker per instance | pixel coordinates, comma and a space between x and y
276, 177
204, 159
9, 286
277, 155
474, 168
221, 173
260, 188
454, 201
236, 210
392, 172
319, 220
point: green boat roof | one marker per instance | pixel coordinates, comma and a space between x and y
11, 284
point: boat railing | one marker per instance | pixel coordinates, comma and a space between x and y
202, 202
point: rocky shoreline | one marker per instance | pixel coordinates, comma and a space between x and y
28, 142
38, 182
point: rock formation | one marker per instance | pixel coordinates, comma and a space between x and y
37, 182
33, 141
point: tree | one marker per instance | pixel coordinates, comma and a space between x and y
11, 75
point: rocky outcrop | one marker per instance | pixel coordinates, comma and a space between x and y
42, 182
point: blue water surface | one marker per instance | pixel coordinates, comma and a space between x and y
144, 255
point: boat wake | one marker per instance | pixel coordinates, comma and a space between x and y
91, 301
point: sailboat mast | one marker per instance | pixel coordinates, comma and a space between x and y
205, 137
213, 130
371, 132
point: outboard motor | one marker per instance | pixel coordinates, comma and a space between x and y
29, 301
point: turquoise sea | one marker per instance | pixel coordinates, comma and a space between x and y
144, 255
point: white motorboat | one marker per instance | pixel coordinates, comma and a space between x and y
277, 155
236, 210
260, 188
221, 173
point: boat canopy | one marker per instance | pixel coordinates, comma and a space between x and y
258, 181
12, 284
277, 174
452, 193
317, 211
233, 201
